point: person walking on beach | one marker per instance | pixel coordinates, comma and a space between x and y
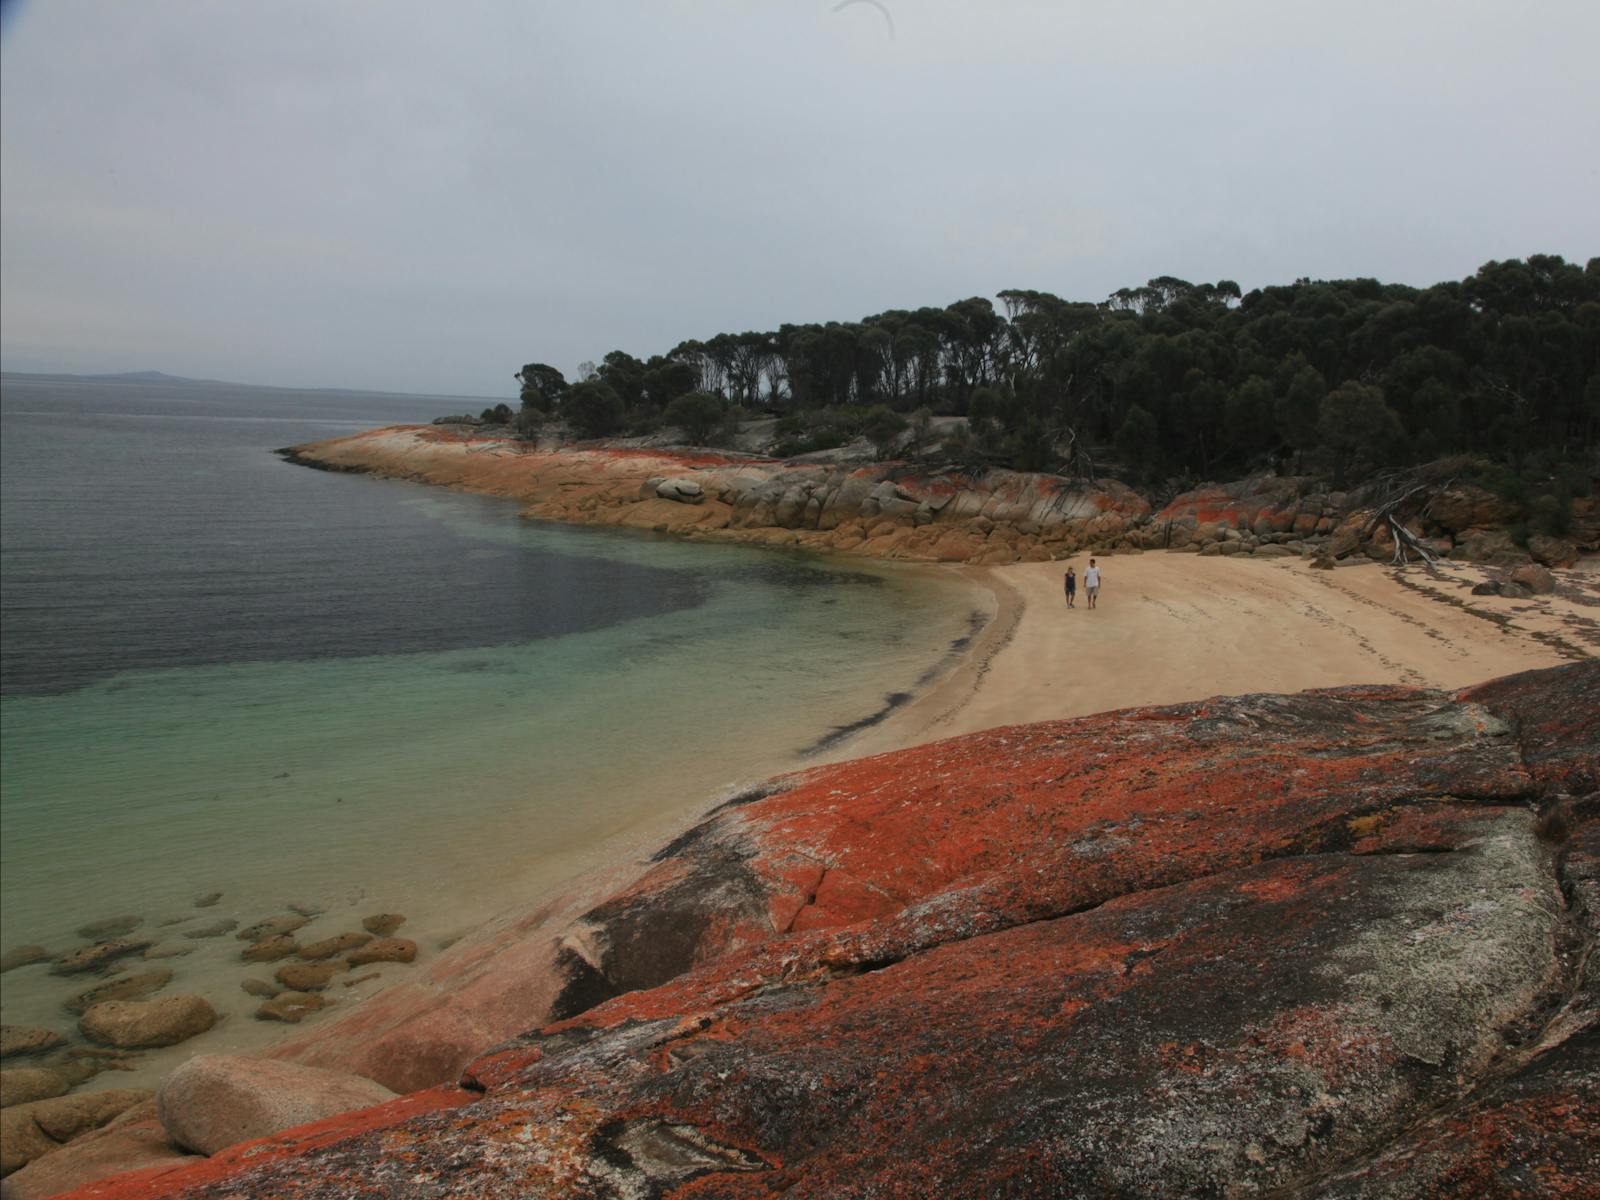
1072, 588
1091, 582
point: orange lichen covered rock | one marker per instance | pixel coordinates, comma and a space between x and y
1000, 516
1326, 943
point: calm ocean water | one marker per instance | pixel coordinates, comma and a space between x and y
225, 673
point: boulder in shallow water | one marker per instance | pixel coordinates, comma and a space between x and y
308, 977
22, 956
291, 1007
214, 930
169, 950
111, 927
272, 927
260, 987
270, 950
98, 956
126, 987
218, 1100
384, 950
137, 1024
307, 910
21, 1041
330, 947
24, 1085
382, 924
206, 901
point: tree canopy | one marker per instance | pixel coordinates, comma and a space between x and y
1179, 378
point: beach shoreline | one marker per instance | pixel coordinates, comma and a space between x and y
1170, 628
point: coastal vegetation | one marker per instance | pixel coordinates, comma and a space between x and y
1158, 385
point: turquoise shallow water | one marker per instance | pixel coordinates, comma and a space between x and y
406, 775
225, 673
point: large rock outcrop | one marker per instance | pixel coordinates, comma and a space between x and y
885, 510
898, 510
1334, 943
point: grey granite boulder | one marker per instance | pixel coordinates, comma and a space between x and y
217, 1100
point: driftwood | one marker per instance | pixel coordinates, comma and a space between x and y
1386, 510
1405, 540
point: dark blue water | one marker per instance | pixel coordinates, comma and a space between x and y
147, 525
223, 672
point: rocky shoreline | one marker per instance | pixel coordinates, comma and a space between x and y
892, 510
1335, 943
955, 873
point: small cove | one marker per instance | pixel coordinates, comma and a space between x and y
226, 673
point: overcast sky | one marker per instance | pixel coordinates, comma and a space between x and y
423, 196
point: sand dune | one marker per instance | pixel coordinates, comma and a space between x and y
1174, 627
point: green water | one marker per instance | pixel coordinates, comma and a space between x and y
223, 673
446, 780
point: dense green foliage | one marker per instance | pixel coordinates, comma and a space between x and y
698, 414
1173, 378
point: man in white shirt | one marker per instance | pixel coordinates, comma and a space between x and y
1091, 582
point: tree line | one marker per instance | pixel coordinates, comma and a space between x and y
1172, 379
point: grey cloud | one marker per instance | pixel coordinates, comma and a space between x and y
421, 197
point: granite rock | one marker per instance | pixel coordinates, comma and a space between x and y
141, 1024
214, 1101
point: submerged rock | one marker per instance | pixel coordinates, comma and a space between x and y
259, 987
214, 930
140, 1024
272, 927
308, 977
22, 956
208, 900
111, 927
382, 924
331, 947
384, 950
168, 950
22, 1041
128, 987
98, 956
270, 950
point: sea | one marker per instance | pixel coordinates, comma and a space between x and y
220, 672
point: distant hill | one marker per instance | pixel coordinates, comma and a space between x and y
165, 380
155, 377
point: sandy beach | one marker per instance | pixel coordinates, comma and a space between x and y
1169, 628
1176, 627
